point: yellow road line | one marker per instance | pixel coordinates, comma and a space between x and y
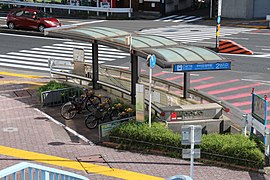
19, 75
58, 161
22, 82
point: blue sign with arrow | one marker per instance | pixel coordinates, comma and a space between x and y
153, 61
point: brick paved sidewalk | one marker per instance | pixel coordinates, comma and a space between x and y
23, 127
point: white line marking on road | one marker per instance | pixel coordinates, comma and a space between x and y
35, 37
255, 80
236, 38
91, 22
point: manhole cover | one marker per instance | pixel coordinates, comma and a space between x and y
22, 93
10, 129
92, 159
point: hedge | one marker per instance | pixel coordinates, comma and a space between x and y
230, 148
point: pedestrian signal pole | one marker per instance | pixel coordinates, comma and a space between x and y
218, 24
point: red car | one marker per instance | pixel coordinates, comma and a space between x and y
30, 19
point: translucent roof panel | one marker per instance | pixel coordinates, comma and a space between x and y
145, 41
87, 32
204, 53
169, 55
189, 55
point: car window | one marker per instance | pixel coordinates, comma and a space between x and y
28, 14
18, 13
43, 15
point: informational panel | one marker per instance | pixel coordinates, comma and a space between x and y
258, 108
140, 102
78, 55
186, 134
202, 67
78, 58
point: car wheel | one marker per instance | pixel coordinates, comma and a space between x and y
11, 25
41, 28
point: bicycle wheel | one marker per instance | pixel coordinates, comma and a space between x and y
92, 103
68, 111
115, 115
91, 121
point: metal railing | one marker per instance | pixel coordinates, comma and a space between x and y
29, 171
166, 87
69, 7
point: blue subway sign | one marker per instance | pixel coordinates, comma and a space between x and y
202, 67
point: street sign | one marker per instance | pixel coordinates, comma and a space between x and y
186, 153
153, 61
202, 67
186, 132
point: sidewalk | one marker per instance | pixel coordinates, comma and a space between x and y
28, 134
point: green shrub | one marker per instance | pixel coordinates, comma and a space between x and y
233, 145
52, 85
235, 149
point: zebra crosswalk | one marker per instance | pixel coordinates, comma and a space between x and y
177, 18
37, 58
189, 33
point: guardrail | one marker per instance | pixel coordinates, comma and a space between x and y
167, 87
29, 170
70, 7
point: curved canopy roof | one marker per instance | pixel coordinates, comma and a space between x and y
167, 51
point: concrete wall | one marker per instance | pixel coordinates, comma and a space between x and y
172, 5
261, 8
237, 8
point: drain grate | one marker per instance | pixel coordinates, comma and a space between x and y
92, 159
22, 93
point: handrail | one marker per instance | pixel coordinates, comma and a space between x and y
225, 105
69, 7
46, 171
236, 112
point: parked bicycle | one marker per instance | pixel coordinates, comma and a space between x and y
105, 112
88, 101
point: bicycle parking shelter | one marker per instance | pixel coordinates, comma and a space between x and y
169, 54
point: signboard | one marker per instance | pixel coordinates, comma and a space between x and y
140, 102
258, 107
186, 134
78, 55
153, 61
105, 128
202, 67
186, 153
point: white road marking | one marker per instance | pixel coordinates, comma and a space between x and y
34, 37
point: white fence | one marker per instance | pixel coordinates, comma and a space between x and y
69, 7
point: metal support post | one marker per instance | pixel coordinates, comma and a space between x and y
192, 151
186, 84
150, 96
95, 64
244, 124
129, 14
134, 77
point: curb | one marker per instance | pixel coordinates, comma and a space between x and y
66, 128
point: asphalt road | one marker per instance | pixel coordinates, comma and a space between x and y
248, 71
